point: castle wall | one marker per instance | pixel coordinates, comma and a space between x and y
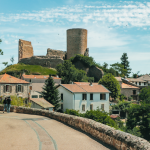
25, 49
76, 42
43, 61
52, 52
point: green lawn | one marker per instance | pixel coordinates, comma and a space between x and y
28, 69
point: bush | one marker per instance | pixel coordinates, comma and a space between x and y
129, 98
72, 112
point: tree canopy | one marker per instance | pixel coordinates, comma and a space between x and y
50, 93
68, 72
145, 95
125, 63
111, 84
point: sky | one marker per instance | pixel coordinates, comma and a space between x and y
114, 27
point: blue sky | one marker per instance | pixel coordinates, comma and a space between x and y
114, 27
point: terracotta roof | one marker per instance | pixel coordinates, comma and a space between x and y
6, 78
38, 77
85, 88
118, 79
145, 77
42, 102
84, 83
126, 86
135, 80
114, 116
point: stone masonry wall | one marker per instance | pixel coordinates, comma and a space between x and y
115, 138
25, 49
43, 61
24, 94
76, 42
52, 52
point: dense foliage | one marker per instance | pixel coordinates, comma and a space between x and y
125, 63
97, 115
50, 93
139, 116
68, 73
1, 52
111, 84
17, 69
145, 94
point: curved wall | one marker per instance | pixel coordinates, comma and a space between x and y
76, 42
115, 138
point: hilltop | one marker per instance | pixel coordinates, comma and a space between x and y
19, 68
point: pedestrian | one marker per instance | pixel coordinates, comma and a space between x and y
5, 104
8, 104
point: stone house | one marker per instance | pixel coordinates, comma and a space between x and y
84, 97
129, 89
10, 85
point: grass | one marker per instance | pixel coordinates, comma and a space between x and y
29, 69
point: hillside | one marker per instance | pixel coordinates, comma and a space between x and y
17, 69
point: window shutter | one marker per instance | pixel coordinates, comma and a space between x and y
22, 88
85, 96
16, 89
82, 96
4, 89
10, 88
104, 96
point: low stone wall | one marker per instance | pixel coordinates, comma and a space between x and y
118, 139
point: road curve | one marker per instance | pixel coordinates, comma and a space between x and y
33, 132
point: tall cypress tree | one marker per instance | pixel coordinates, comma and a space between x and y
50, 93
125, 63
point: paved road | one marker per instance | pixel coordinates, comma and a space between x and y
33, 132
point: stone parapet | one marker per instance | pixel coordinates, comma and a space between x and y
115, 138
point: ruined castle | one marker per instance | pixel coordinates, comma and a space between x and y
76, 44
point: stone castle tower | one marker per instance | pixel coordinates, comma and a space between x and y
77, 42
25, 49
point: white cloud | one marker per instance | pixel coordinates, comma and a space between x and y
131, 13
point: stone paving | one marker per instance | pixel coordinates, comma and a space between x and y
33, 132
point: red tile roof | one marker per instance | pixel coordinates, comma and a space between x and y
126, 86
84, 83
38, 77
85, 88
6, 78
135, 80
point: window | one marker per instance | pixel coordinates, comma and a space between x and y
102, 106
139, 83
136, 83
40, 96
30, 80
62, 106
19, 88
7, 88
91, 106
134, 91
62, 96
102, 96
83, 96
34, 96
83, 107
144, 83
91, 96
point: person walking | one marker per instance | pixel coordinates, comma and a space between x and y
8, 104
5, 104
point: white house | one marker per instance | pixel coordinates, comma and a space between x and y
84, 97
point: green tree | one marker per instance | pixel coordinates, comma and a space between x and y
119, 68
125, 63
68, 72
50, 93
139, 116
105, 65
12, 59
145, 95
111, 84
